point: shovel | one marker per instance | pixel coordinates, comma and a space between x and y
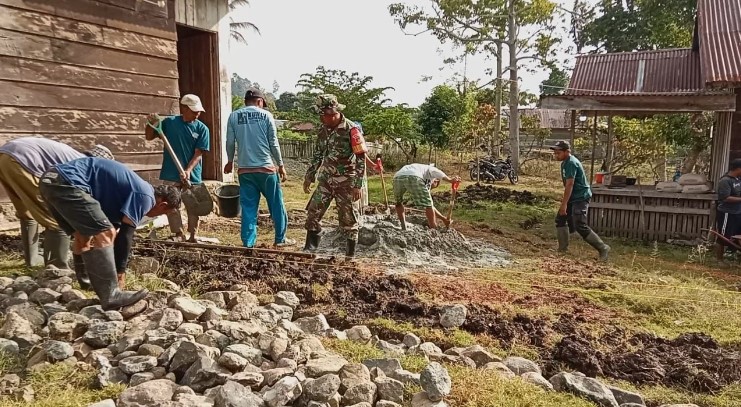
196, 198
387, 211
454, 189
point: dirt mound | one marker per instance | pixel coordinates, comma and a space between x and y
382, 238
10, 244
693, 361
474, 194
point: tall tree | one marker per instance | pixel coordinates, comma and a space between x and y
287, 102
396, 124
524, 27
238, 29
444, 105
352, 90
620, 26
556, 83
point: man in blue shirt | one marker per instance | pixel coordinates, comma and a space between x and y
89, 197
260, 166
573, 212
189, 138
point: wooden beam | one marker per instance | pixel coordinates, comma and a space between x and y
573, 127
594, 148
643, 103
610, 131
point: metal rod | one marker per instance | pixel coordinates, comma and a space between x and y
232, 248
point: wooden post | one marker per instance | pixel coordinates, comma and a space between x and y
573, 127
594, 147
610, 150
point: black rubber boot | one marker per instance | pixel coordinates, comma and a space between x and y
312, 241
80, 272
562, 234
30, 242
101, 268
599, 245
56, 248
351, 248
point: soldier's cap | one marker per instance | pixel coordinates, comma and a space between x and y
100, 151
254, 93
327, 102
561, 145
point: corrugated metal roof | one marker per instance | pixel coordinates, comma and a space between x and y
719, 32
660, 72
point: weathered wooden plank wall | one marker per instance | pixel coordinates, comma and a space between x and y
88, 71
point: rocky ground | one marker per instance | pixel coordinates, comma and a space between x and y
227, 348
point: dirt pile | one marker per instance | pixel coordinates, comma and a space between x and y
474, 195
381, 237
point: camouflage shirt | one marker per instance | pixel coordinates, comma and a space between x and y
334, 156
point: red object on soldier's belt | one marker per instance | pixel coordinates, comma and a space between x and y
379, 164
455, 185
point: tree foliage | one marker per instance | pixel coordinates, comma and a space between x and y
556, 83
444, 105
238, 29
239, 88
287, 102
396, 124
618, 25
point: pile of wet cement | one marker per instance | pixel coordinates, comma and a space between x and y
478, 193
381, 237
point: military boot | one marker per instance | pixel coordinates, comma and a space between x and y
350, 252
312, 241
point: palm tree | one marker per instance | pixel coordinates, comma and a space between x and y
237, 29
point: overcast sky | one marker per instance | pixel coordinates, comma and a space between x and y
297, 36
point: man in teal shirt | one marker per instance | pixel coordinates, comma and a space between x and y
573, 212
189, 138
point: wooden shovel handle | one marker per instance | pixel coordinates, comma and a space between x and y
168, 147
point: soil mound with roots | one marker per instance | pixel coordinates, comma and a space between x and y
473, 195
381, 237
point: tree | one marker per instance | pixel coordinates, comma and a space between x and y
240, 85
352, 90
239, 88
287, 102
237, 29
525, 27
621, 26
556, 83
444, 105
396, 124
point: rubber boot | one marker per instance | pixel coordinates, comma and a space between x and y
80, 272
30, 242
100, 266
350, 252
562, 234
597, 243
312, 241
56, 248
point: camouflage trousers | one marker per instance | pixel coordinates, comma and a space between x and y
339, 189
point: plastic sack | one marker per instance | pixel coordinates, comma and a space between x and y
692, 179
668, 187
695, 189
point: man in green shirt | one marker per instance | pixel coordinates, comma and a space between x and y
572, 214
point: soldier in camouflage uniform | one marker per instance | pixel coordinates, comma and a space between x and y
337, 166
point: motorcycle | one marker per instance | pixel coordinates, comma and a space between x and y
491, 170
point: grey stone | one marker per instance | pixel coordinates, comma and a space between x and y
233, 362
113, 316
71, 295
390, 349
250, 354
435, 381
283, 393
240, 330
232, 394
9, 347
390, 389
520, 365
57, 351
137, 364
217, 297
249, 379
214, 339
25, 284
637, 405
240, 297
502, 370
186, 353
93, 312
386, 403
359, 333
117, 376
171, 319
387, 366
624, 396
211, 315
205, 373
104, 403
353, 374
24, 394
128, 342
538, 380
78, 305
480, 356
190, 308
29, 312
139, 378
277, 347
240, 312
427, 349
21, 296
158, 372
53, 308
44, 296
453, 316
272, 376
316, 325
19, 330
164, 338
411, 340
421, 399
363, 404
584, 387
281, 311
453, 360
360, 393
152, 393
134, 309
287, 298
148, 349
123, 355
327, 365
375, 373
103, 333
188, 328
321, 389
192, 400
287, 363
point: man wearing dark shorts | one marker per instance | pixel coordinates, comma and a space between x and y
89, 197
573, 212
728, 213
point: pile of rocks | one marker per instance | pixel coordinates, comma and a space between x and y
222, 349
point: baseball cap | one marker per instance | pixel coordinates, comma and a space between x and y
100, 151
193, 102
254, 93
561, 145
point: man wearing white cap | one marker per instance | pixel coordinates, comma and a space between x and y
189, 138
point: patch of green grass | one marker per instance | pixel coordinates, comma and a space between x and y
356, 352
660, 395
455, 337
63, 385
10, 363
321, 292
